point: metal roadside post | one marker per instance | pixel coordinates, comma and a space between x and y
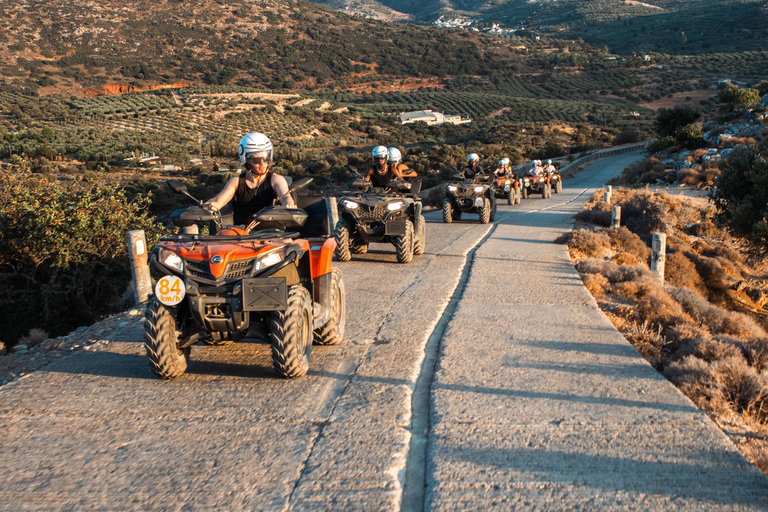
137, 252
608, 194
616, 217
659, 254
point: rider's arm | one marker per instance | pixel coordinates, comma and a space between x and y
368, 176
280, 186
225, 196
405, 172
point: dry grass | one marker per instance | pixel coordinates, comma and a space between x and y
35, 337
704, 327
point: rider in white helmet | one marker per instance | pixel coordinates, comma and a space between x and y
550, 168
382, 172
396, 159
503, 168
258, 187
473, 167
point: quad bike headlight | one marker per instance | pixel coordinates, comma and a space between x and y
349, 205
171, 259
525, 180
478, 189
270, 259
395, 206
508, 182
453, 188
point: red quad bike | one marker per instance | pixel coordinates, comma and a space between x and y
507, 187
276, 281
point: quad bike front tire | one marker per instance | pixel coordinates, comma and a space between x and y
404, 244
290, 333
447, 211
511, 196
494, 207
161, 341
526, 193
544, 192
420, 243
517, 195
358, 247
559, 187
333, 331
341, 234
485, 212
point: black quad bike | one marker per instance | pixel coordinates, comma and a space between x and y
273, 278
475, 195
390, 214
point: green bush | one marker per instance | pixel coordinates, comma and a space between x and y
63, 250
741, 194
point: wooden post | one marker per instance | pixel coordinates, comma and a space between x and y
137, 252
616, 217
659, 254
608, 194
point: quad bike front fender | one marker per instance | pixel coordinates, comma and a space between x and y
320, 256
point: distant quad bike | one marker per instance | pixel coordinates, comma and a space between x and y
391, 214
507, 187
276, 281
536, 184
475, 195
556, 182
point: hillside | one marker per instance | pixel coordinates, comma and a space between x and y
625, 26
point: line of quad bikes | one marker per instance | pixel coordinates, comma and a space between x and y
273, 281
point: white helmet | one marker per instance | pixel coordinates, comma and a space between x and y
549, 161
533, 162
504, 161
473, 157
394, 156
379, 152
254, 143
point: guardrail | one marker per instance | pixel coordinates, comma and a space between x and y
602, 153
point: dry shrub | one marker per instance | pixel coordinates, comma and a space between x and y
698, 153
35, 337
648, 341
740, 383
680, 271
719, 320
622, 239
694, 377
625, 258
725, 253
651, 176
704, 228
595, 266
678, 242
756, 351
742, 326
710, 270
631, 273
595, 283
689, 177
710, 175
590, 243
628, 289
644, 212
715, 349
659, 308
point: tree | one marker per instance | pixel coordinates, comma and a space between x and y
669, 121
739, 98
741, 194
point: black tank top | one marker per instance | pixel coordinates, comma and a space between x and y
250, 200
381, 180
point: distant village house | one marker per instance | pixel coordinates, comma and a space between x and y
431, 118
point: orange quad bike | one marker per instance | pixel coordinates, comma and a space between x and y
507, 187
536, 184
272, 281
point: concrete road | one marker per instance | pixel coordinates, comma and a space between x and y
519, 392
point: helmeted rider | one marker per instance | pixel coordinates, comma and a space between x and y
395, 158
537, 169
503, 168
382, 172
550, 168
473, 168
258, 187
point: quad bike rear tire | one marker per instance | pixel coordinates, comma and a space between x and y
559, 187
404, 244
485, 211
420, 243
494, 207
526, 193
447, 211
358, 247
511, 196
219, 339
517, 195
544, 192
161, 340
333, 331
291, 333
341, 234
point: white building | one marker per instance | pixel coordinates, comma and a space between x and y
431, 118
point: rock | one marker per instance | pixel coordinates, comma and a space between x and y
19, 348
123, 324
